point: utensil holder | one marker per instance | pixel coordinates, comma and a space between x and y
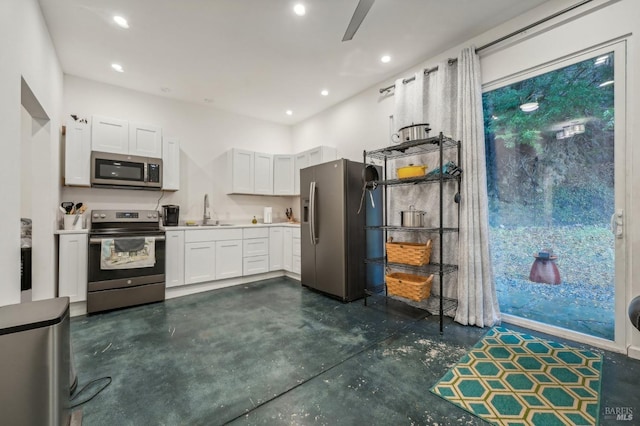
72, 222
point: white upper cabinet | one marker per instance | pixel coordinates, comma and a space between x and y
240, 171
145, 140
109, 135
122, 137
249, 172
170, 164
77, 154
263, 174
302, 161
320, 154
283, 174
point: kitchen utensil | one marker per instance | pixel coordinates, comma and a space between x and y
370, 174
411, 171
412, 218
67, 206
411, 133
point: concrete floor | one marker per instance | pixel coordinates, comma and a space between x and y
275, 353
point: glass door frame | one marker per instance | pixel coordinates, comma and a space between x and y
622, 163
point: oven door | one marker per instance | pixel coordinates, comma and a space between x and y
103, 279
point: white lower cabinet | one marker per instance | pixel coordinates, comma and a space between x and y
287, 250
255, 265
228, 259
174, 259
296, 248
217, 254
255, 251
72, 266
199, 262
276, 248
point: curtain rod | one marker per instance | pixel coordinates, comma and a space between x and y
499, 40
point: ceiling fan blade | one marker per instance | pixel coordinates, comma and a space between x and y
358, 16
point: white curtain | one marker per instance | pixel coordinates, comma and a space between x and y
452, 104
477, 300
408, 102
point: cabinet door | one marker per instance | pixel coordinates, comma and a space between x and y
287, 250
296, 255
301, 161
228, 259
109, 135
283, 174
145, 140
72, 266
255, 247
240, 164
170, 164
255, 265
321, 154
315, 156
276, 248
174, 259
77, 154
199, 262
263, 174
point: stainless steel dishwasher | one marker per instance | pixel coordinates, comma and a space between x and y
35, 360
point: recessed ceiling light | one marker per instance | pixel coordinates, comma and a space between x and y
299, 9
121, 21
289, 112
324, 92
529, 107
117, 67
385, 59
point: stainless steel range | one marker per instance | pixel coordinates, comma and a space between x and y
126, 259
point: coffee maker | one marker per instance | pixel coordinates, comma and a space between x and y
170, 215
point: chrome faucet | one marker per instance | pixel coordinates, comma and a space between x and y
206, 216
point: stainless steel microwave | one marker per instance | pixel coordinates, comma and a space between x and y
123, 171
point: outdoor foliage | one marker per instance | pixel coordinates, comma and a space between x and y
536, 175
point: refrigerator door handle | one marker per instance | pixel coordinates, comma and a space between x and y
312, 212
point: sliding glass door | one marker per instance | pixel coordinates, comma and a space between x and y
555, 176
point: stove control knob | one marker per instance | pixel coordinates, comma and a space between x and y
96, 215
102, 216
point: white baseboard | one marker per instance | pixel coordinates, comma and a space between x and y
633, 352
80, 308
188, 289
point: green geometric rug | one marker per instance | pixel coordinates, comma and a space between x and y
511, 378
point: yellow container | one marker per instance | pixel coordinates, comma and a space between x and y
411, 171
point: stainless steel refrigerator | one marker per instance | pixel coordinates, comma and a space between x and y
332, 232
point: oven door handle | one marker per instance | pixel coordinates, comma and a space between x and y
99, 240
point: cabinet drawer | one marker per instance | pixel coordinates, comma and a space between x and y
201, 235
262, 232
295, 250
255, 265
255, 247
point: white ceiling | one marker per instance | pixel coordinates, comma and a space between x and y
256, 57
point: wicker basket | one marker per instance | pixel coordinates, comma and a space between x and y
415, 254
409, 286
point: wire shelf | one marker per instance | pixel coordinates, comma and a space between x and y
411, 229
416, 180
416, 147
431, 268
